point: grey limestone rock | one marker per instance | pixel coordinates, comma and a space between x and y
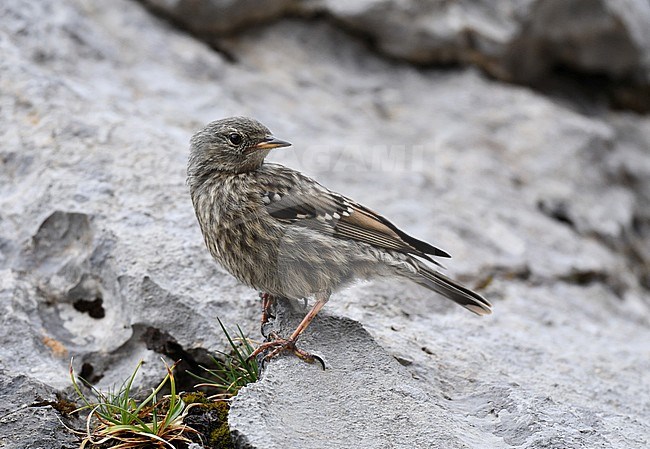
511, 39
543, 204
399, 412
525, 41
28, 419
212, 17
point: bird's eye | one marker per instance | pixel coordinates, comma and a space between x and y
235, 138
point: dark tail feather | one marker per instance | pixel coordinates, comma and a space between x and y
451, 289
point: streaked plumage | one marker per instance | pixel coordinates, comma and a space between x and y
281, 232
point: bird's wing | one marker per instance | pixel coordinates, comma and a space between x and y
304, 202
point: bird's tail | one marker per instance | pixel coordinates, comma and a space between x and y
439, 283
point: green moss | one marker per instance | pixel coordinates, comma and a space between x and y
210, 419
196, 397
64, 406
222, 407
220, 437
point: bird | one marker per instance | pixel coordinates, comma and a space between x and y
282, 233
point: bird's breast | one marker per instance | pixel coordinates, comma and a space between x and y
236, 229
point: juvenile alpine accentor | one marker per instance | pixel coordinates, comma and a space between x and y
283, 233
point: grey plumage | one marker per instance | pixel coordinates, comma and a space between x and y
281, 232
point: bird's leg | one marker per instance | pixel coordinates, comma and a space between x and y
267, 303
279, 344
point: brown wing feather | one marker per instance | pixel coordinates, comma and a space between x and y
358, 218
418, 245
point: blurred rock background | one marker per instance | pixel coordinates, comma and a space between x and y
513, 134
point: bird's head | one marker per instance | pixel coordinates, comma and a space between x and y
232, 145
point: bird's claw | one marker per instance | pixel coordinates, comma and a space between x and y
278, 345
267, 305
263, 327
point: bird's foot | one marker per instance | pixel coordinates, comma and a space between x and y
278, 344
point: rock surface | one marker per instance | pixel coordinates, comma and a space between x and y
401, 414
221, 16
526, 41
543, 203
28, 413
511, 39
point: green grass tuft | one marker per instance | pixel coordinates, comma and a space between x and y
120, 421
235, 370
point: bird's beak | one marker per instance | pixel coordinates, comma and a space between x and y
270, 142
